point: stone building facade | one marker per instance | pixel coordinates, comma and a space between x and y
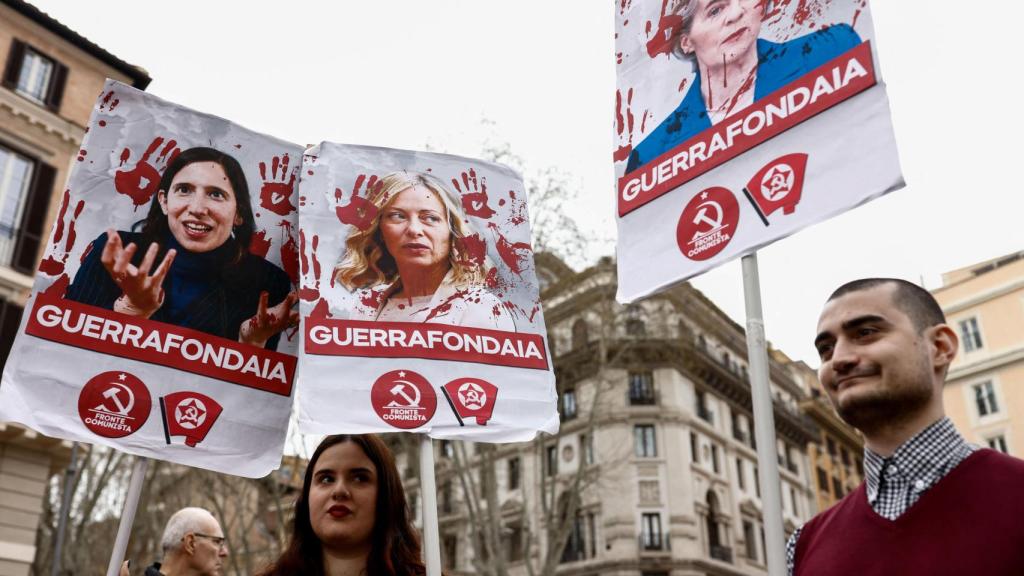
51, 78
654, 471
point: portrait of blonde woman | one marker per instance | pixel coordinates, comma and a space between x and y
409, 262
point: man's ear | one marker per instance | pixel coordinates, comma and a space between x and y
188, 543
945, 344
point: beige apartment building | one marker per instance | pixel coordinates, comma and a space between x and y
654, 471
984, 392
51, 78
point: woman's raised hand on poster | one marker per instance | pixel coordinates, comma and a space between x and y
142, 293
269, 320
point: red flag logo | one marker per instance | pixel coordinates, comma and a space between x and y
471, 398
188, 414
777, 185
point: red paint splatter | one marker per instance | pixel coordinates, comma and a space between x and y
624, 121
260, 244
321, 310
372, 299
682, 84
58, 233
58, 289
72, 235
276, 192
474, 250
109, 102
446, 305
511, 252
102, 123
492, 278
474, 199
359, 212
624, 6
290, 253
141, 182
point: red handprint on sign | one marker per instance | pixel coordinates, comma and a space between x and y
359, 212
661, 41
623, 125
276, 192
141, 181
474, 199
56, 257
309, 262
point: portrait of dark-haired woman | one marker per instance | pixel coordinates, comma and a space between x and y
352, 516
198, 227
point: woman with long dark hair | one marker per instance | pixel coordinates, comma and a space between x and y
198, 228
351, 516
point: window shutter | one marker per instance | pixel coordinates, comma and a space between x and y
14, 60
55, 91
10, 318
30, 233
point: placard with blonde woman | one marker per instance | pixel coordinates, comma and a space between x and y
410, 264
419, 286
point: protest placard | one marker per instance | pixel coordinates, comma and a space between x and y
740, 122
419, 301
158, 323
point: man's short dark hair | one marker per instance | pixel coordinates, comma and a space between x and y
917, 303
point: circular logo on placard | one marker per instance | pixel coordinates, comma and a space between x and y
190, 414
777, 183
403, 399
114, 404
472, 395
708, 223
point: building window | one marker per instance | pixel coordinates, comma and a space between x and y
551, 460
514, 544
569, 404
587, 448
985, 398
792, 498
10, 319
716, 549
757, 482
998, 443
513, 473
450, 546
35, 75
643, 435
741, 478
837, 487
750, 540
650, 531
970, 334
694, 455
738, 431
447, 449
714, 459
15, 182
641, 388
580, 334
702, 408
822, 480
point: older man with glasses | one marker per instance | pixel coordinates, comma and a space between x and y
193, 545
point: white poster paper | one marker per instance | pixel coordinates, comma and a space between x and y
740, 122
168, 336
420, 303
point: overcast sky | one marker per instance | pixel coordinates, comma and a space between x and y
408, 74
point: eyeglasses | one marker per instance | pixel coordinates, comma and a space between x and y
218, 541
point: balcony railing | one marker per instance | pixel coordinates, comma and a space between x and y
723, 553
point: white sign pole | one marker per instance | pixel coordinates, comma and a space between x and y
131, 504
428, 491
764, 419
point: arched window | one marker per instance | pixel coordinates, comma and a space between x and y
580, 334
714, 538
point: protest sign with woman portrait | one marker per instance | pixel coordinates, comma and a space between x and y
417, 282
160, 322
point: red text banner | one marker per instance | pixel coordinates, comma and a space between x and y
108, 332
828, 85
329, 337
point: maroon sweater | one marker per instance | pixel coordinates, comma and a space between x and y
969, 523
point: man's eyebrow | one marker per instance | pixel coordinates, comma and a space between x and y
851, 325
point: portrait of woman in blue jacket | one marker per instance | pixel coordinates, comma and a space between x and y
733, 67
199, 226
